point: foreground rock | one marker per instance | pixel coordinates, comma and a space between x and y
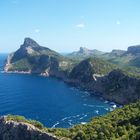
13, 130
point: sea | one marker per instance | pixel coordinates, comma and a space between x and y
48, 100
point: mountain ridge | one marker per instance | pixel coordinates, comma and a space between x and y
92, 74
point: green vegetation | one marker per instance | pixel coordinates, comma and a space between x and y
84, 70
23, 119
100, 66
135, 62
21, 65
32, 56
121, 124
121, 60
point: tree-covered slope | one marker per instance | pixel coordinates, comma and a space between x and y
121, 124
85, 70
104, 79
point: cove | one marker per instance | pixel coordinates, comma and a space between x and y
47, 100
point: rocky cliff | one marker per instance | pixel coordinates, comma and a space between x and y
14, 130
93, 74
99, 78
84, 53
134, 49
33, 58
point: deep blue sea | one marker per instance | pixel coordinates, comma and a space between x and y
47, 100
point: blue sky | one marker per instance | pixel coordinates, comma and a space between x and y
65, 25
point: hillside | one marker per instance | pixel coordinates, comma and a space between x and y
104, 79
131, 57
84, 53
98, 76
128, 60
121, 124
85, 70
33, 58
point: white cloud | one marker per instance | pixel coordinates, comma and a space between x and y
37, 30
118, 22
81, 25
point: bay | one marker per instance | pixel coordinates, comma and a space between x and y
48, 100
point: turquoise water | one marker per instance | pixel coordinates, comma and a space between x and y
47, 100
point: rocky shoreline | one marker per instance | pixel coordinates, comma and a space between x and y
93, 74
91, 93
102, 86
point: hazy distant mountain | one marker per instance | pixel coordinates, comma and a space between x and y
85, 52
134, 49
128, 58
115, 53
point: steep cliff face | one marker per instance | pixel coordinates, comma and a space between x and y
12, 130
93, 74
87, 70
134, 49
33, 58
113, 85
118, 87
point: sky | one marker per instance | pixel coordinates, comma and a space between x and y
66, 25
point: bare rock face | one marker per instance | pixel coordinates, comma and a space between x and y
85, 52
92, 74
11, 130
118, 87
134, 49
115, 86
30, 42
33, 58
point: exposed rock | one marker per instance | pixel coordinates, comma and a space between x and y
118, 87
33, 58
30, 42
134, 49
85, 52
93, 74
85, 70
12, 130
115, 86
117, 53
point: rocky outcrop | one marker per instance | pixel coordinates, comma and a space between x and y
92, 74
33, 58
86, 69
119, 87
115, 86
12, 130
133, 49
116, 53
85, 52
